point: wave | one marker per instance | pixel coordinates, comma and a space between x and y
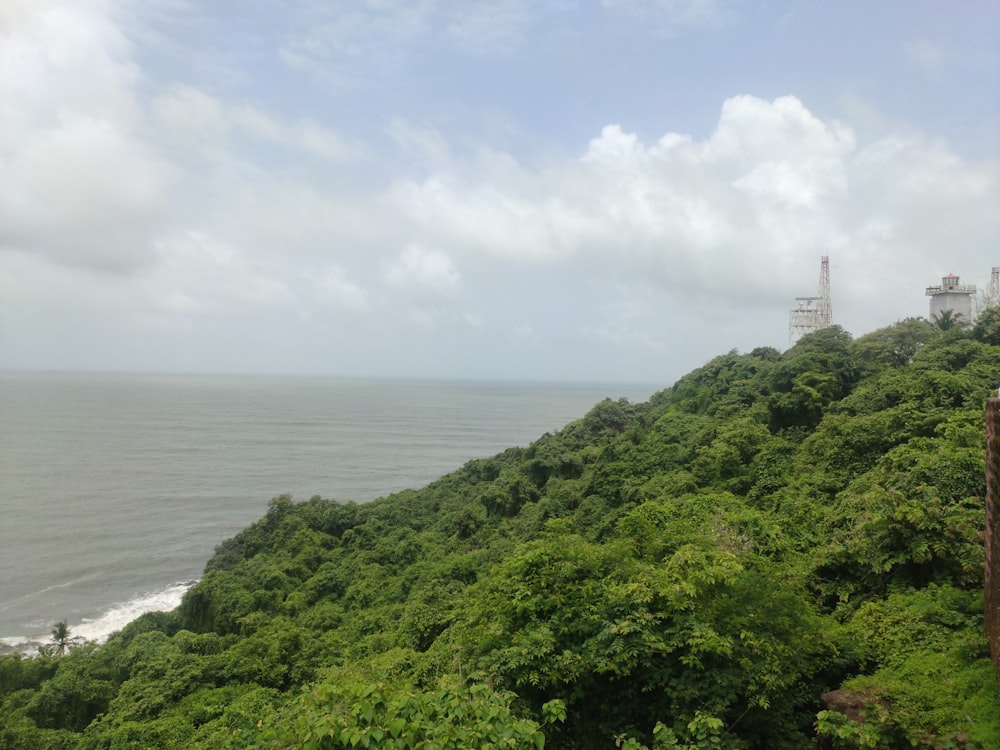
116, 617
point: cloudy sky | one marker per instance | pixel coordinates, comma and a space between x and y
590, 190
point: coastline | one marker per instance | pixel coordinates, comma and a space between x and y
99, 629
115, 487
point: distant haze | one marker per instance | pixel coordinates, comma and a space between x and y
594, 191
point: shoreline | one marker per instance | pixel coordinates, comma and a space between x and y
100, 628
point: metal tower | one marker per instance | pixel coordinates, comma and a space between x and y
824, 314
989, 297
812, 313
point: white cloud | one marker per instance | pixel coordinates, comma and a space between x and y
427, 145
83, 194
186, 110
231, 195
422, 271
77, 182
212, 126
731, 218
61, 58
614, 148
322, 142
198, 274
335, 289
752, 132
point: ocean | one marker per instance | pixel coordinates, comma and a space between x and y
116, 489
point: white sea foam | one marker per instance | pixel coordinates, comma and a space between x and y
115, 618
119, 615
13, 643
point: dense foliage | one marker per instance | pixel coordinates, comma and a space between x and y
691, 572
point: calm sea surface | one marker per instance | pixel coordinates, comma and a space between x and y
115, 490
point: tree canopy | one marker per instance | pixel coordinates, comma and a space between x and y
696, 571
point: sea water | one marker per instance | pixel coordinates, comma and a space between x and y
116, 489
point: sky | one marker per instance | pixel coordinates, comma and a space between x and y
581, 190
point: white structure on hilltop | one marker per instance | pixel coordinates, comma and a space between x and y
812, 313
952, 296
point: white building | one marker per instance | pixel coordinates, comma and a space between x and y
954, 296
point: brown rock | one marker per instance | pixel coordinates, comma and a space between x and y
852, 705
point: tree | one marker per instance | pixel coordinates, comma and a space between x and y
679, 618
987, 327
894, 346
663, 575
948, 319
449, 716
819, 369
62, 641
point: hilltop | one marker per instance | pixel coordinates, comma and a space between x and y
696, 571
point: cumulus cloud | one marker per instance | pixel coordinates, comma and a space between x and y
222, 205
78, 184
730, 217
82, 193
754, 132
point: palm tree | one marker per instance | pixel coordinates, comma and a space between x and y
947, 319
62, 641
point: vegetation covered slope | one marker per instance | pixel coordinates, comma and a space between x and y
695, 571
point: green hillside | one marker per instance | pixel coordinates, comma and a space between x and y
691, 572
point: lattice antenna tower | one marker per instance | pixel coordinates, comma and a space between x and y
989, 297
812, 313
824, 313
